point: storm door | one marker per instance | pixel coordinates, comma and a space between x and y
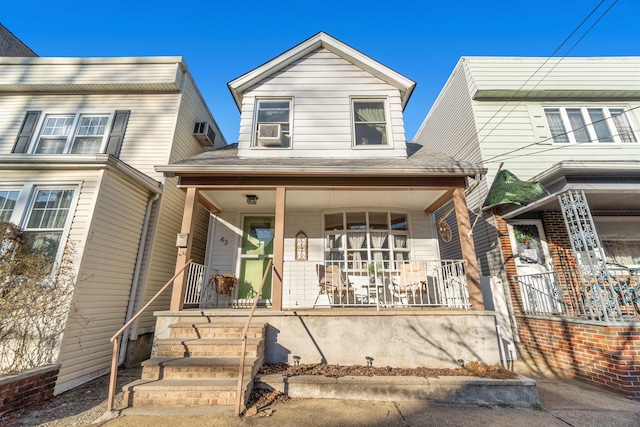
256, 250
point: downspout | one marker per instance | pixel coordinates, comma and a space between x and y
136, 276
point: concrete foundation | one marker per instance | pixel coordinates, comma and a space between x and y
399, 338
521, 392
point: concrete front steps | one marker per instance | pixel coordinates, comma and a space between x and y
198, 366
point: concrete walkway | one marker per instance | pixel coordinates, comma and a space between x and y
564, 403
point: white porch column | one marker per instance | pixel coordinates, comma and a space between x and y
188, 225
278, 250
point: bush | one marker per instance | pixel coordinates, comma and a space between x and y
34, 302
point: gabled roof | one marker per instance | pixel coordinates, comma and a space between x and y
318, 41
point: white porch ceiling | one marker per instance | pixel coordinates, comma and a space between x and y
234, 200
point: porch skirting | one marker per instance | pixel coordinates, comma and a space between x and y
398, 337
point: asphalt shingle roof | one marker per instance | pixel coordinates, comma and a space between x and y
419, 160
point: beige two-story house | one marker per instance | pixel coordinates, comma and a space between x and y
79, 138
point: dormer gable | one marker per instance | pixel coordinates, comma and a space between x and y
322, 98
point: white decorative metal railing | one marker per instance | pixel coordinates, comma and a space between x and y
331, 283
607, 298
198, 283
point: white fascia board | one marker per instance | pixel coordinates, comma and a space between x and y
78, 162
239, 85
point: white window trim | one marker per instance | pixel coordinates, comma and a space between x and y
76, 118
570, 133
387, 115
254, 125
26, 201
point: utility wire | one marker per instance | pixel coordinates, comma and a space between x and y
538, 69
492, 159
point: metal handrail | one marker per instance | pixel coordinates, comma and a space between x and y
115, 339
244, 339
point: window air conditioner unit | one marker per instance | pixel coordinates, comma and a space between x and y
269, 134
204, 134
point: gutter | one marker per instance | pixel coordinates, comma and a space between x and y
135, 284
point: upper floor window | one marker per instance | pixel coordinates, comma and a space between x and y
76, 134
273, 123
571, 125
72, 133
369, 122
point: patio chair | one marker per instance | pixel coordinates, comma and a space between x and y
335, 284
410, 281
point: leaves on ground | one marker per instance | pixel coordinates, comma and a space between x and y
473, 369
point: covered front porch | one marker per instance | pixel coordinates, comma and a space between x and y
344, 246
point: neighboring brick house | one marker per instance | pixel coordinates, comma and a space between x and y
569, 261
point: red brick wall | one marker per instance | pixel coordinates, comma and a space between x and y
509, 263
558, 241
27, 388
606, 356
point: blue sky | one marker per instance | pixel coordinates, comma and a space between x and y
221, 40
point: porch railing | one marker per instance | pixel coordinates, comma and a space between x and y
198, 282
612, 297
116, 338
331, 283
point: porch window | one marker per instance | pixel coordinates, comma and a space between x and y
273, 124
575, 125
369, 122
366, 240
75, 134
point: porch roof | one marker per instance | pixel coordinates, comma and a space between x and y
604, 182
419, 161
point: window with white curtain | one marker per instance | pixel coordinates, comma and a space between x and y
43, 212
364, 238
73, 133
577, 125
369, 122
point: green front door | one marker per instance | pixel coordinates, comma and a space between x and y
257, 249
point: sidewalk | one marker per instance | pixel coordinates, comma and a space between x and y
565, 403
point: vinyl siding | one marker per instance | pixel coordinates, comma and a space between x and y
192, 109
450, 125
600, 77
104, 279
149, 131
55, 74
321, 86
521, 128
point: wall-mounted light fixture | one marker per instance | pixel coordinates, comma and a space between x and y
252, 199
